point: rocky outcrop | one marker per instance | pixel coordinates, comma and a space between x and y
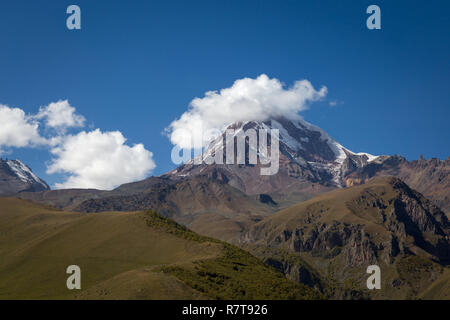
382, 222
431, 177
401, 212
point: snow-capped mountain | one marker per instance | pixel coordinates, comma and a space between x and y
308, 155
16, 177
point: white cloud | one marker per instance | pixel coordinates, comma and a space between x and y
99, 160
335, 103
92, 159
18, 129
60, 115
247, 99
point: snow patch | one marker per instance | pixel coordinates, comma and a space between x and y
368, 155
286, 138
24, 173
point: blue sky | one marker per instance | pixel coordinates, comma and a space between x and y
136, 65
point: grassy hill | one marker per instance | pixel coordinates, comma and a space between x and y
125, 255
209, 207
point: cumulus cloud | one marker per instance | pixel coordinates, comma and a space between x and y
92, 159
18, 129
247, 99
60, 115
99, 160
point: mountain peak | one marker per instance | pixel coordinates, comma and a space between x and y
17, 177
306, 151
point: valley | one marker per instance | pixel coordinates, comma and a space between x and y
310, 231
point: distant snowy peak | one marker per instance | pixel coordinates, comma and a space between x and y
16, 177
298, 139
301, 144
24, 173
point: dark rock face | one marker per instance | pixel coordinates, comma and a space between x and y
15, 177
430, 177
329, 240
265, 198
294, 268
314, 147
296, 272
406, 214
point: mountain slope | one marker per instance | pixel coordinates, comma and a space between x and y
210, 207
137, 255
16, 177
340, 233
207, 206
69, 199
